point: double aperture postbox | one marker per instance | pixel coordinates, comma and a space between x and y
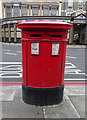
43, 61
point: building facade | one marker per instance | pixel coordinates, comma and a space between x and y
15, 8
21, 8
75, 10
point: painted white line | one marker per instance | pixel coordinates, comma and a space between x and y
10, 62
74, 109
70, 65
10, 54
6, 50
16, 75
75, 73
9, 72
74, 79
10, 77
19, 51
72, 94
71, 57
86, 75
6, 69
6, 63
11, 67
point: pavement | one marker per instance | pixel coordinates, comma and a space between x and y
72, 106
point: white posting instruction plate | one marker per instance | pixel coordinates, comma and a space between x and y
55, 48
35, 48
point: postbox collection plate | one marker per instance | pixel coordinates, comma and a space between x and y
55, 48
34, 48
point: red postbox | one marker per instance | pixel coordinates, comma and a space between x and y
43, 61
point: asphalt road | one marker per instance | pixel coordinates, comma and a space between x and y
11, 69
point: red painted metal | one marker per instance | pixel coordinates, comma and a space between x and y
43, 70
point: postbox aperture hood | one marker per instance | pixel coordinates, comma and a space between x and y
45, 25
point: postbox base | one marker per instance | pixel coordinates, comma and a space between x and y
42, 96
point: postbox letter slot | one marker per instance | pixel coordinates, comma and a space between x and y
56, 36
55, 48
35, 48
35, 35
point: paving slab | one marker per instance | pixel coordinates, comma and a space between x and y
63, 110
18, 109
79, 103
7, 92
74, 90
0, 110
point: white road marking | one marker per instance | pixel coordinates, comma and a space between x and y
19, 51
6, 50
75, 94
72, 106
68, 79
70, 65
19, 75
74, 71
6, 63
14, 70
11, 70
85, 75
8, 69
10, 54
11, 67
71, 57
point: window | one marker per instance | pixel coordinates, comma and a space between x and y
35, 10
80, 4
54, 10
45, 10
16, 1
16, 10
70, 3
24, 10
8, 10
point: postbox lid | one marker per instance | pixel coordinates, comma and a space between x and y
44, 25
